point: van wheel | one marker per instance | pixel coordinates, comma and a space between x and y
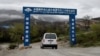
42, 47
56, 47
53, 47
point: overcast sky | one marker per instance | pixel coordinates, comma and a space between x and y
85, 7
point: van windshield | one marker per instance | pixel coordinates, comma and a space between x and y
50, 36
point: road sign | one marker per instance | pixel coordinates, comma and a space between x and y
53, 11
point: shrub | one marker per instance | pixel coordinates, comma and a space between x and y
63, 38
0, 48
88, 39
12, 46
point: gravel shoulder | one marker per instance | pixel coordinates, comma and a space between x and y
61, 51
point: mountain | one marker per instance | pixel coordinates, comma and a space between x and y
98, 19
51, 19
10, 12
33, 21
10, 15
6, 15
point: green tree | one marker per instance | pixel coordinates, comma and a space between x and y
95, 28
16, 32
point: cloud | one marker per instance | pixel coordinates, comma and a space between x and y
10, 16
20, 1
85, 7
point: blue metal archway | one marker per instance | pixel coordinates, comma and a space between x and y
49, 11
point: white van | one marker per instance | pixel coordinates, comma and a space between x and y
49, 40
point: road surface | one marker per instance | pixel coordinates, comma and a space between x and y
61, 51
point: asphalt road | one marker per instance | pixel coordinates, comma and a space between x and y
61, 51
